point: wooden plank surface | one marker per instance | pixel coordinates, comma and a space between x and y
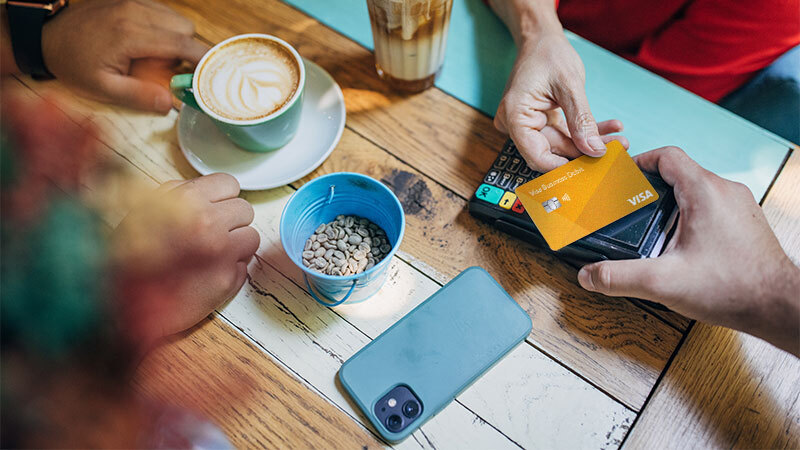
782, 206
726, 389
215, 372
312, 341
438, 150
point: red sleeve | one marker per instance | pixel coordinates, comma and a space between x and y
717, 45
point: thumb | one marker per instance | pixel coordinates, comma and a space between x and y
639, 278
581, 123
135, 93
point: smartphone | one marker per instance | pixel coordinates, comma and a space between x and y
419, 365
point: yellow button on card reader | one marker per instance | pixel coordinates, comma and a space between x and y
508, 200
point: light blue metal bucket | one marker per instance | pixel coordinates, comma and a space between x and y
320, 201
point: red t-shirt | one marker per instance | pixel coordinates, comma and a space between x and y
710, 47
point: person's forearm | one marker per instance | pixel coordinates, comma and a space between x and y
778, 318
8, 64
527, 19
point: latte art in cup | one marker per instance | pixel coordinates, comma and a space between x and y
248, 79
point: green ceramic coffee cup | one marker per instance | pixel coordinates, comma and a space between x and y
257, 135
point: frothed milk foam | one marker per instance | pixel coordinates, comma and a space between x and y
410, 38
248, 79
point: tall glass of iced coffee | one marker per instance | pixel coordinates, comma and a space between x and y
410, 38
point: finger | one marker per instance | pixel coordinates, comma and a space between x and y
244, 243
555, 118
156, 70
215, 187
135, 93
581, 123
499, 119
164, 44
239, 280
609, 126
169, 185
535, 149
638, 278
605, 127
560, 143
234, 213
672, 163
524, 129
616, 137
231, 282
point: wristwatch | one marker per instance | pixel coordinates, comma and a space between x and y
25, 21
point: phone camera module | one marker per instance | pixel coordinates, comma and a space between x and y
394, 423
410, 409
398, 409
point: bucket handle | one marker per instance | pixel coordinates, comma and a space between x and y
331, 302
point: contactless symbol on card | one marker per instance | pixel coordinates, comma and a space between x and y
585, 195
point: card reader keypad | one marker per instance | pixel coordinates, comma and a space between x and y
508, 172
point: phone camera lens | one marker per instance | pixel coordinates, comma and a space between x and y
394, 422
410, 409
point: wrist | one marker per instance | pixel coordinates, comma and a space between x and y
537, 18
26, 21
49, 44
528, 20
778, 318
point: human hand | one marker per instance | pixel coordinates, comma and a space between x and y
723, 265
94, 45
548, 76
182, 253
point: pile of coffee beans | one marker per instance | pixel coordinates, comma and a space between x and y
346, 246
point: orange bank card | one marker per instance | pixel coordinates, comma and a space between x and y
585, 195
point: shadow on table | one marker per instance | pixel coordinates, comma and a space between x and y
363, 90
738, 391
547, 289
360, 417
169, 374
270, 265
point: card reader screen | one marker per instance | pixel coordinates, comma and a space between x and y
631, 229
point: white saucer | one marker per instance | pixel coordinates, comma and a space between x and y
321, 125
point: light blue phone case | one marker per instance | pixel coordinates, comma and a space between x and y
438, 349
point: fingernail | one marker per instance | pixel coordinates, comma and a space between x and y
597, 145
584, 279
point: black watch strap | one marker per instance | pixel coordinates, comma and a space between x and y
25, 26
